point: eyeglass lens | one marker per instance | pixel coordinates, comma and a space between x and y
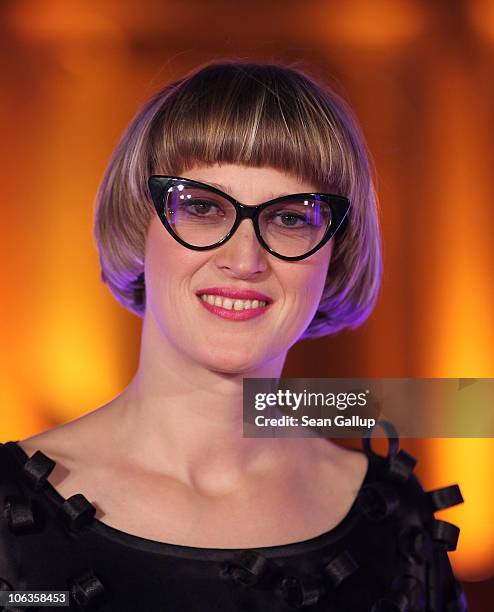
202, 218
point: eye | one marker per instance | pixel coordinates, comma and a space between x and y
291, 219
297, 214
202, 208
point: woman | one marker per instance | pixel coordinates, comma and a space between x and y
155, 501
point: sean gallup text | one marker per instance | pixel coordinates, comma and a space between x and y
306, 421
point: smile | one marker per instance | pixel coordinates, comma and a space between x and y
231, 304
233, 309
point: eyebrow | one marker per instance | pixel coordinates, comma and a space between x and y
227, 189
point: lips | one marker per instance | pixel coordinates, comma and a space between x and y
239, 294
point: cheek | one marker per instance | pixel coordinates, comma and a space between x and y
165, 258
159, 253
170, 270
309, 278
166, 263
305, 286
310, 287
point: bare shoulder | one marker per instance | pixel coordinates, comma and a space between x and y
51, 442
355, 462
83, 453
74, 442
341, 465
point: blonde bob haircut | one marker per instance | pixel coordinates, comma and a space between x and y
255, 114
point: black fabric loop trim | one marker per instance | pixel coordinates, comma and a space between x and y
459, 604
415, 545
299, 593
407, 594
378, 500
5, 586
445, 497
414, 589
20, 514
248, 568
393, 438
394, 602
340, 568
445, 534
90, 589
399, 467
37, 469
76, 511
86, 589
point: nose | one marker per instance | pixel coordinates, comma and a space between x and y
242, 255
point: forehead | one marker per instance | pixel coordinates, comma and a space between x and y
250, 183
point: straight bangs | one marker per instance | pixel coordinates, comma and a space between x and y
256, 115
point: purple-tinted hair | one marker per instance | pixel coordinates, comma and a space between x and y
256, 114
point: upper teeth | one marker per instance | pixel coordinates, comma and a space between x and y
229, 304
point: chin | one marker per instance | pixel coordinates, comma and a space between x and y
231, 361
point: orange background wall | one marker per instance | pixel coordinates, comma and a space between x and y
420, 78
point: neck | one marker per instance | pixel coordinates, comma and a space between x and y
181, 418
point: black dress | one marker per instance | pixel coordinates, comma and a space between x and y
389, 553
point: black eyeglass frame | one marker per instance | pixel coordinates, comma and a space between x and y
339, 206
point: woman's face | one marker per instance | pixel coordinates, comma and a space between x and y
175, 275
